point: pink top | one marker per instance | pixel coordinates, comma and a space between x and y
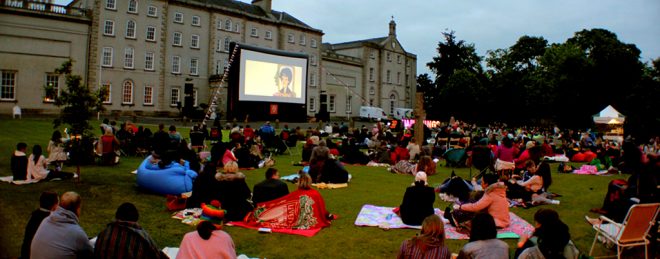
219, 245
228, 156
505, 153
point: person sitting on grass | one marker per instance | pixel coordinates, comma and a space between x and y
483, 240
37, 170
269, 189
429, 243
233, 192
533, 189
551, 238
207, 242
48, 202
19, 162
125, 238
417, 202
493, 201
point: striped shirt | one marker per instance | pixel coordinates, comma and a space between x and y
412, 251
123, 239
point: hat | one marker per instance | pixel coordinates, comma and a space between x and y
420, 176
530, 144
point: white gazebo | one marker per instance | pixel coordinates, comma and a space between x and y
610, 122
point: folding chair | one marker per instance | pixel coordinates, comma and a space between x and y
632, 232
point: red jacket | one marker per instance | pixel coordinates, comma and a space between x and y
400, 153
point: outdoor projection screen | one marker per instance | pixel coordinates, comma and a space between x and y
272, 78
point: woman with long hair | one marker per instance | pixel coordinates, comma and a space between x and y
551, 238
207, 242
56, 154
429, 243
37, 164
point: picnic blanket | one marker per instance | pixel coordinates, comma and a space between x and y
10, 179
556, 158
383, 217
590, 170
330, 185
188, 216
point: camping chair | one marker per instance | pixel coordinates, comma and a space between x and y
632, 232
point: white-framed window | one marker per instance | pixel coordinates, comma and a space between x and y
109, 28
388, 76
227, 43
194, 64
176, 40
389, 57
130, 29
128, 57
194, 41
291, 38
254, 32
303, 40
398, 78
52, 82
196, 21
148, 95
107, 89
331, 103
106, 57
349, 104
152, 11
237, 27
392, 103
312, 43
312, 60
312, 79
312, 104
398, 59
174, 96
176, 65
194, 96
372, 90
149, 61
228, 26
371, 74
151, 33
269, 35
127, 92
372, 55
110, 4
178, 17
132, 6
220, 24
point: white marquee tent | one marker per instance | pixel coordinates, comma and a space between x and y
610, 122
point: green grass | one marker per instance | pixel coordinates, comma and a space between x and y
104, 188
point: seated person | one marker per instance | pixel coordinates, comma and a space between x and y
269, 189
534, 188
425, 165
36, 168
48, 202
233, 192
135, 242
302, 209
551, 238
429, 243
399, 153
328, 171
207, 242
351, 153
417, 202
493, 201
483, 240
19, 162
205, 187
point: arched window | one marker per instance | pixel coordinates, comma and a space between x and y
132, 6
392, 103
127, 92
130, 29
227, 42
228, 25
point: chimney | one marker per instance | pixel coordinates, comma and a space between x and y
392, 27
266, 5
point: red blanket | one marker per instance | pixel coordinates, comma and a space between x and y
301, 212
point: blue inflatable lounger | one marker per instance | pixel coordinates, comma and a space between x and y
174, 179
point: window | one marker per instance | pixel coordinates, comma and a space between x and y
52, 82
312, 79
312, 43
389, 57
220, 24
312, 104
254, 32
149, 61
398, 78
269, 35
127, 92
128, 57
176, 65
196, 21
349, 105
109, 28
227, 43
225, 63
331, 103
130, 29
372, 90
178, 17
174, 96
106, 89
151, 33
388, 77
372, 55
237, 27
312, 60
392, 103
194, 42
132, 6
177, 39
106, 60
398, 59
194, 96
371, 102
291, 38
228, 25
371, 74
193, 66
303, 40
148, 95
152, 11
110, 4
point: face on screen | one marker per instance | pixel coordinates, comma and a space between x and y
272, 78
284, 88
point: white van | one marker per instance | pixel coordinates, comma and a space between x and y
368, 112
402, 113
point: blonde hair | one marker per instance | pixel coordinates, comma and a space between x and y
230, 167
304, 182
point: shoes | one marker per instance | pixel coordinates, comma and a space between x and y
592, 221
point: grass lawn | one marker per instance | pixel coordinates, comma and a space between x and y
104, 188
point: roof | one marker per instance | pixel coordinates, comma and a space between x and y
377, 41
609, 115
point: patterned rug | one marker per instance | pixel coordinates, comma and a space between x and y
383, 217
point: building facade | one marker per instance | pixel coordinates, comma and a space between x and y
145, 52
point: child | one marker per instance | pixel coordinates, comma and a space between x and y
19, 162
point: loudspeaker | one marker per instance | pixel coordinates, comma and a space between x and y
188, 89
